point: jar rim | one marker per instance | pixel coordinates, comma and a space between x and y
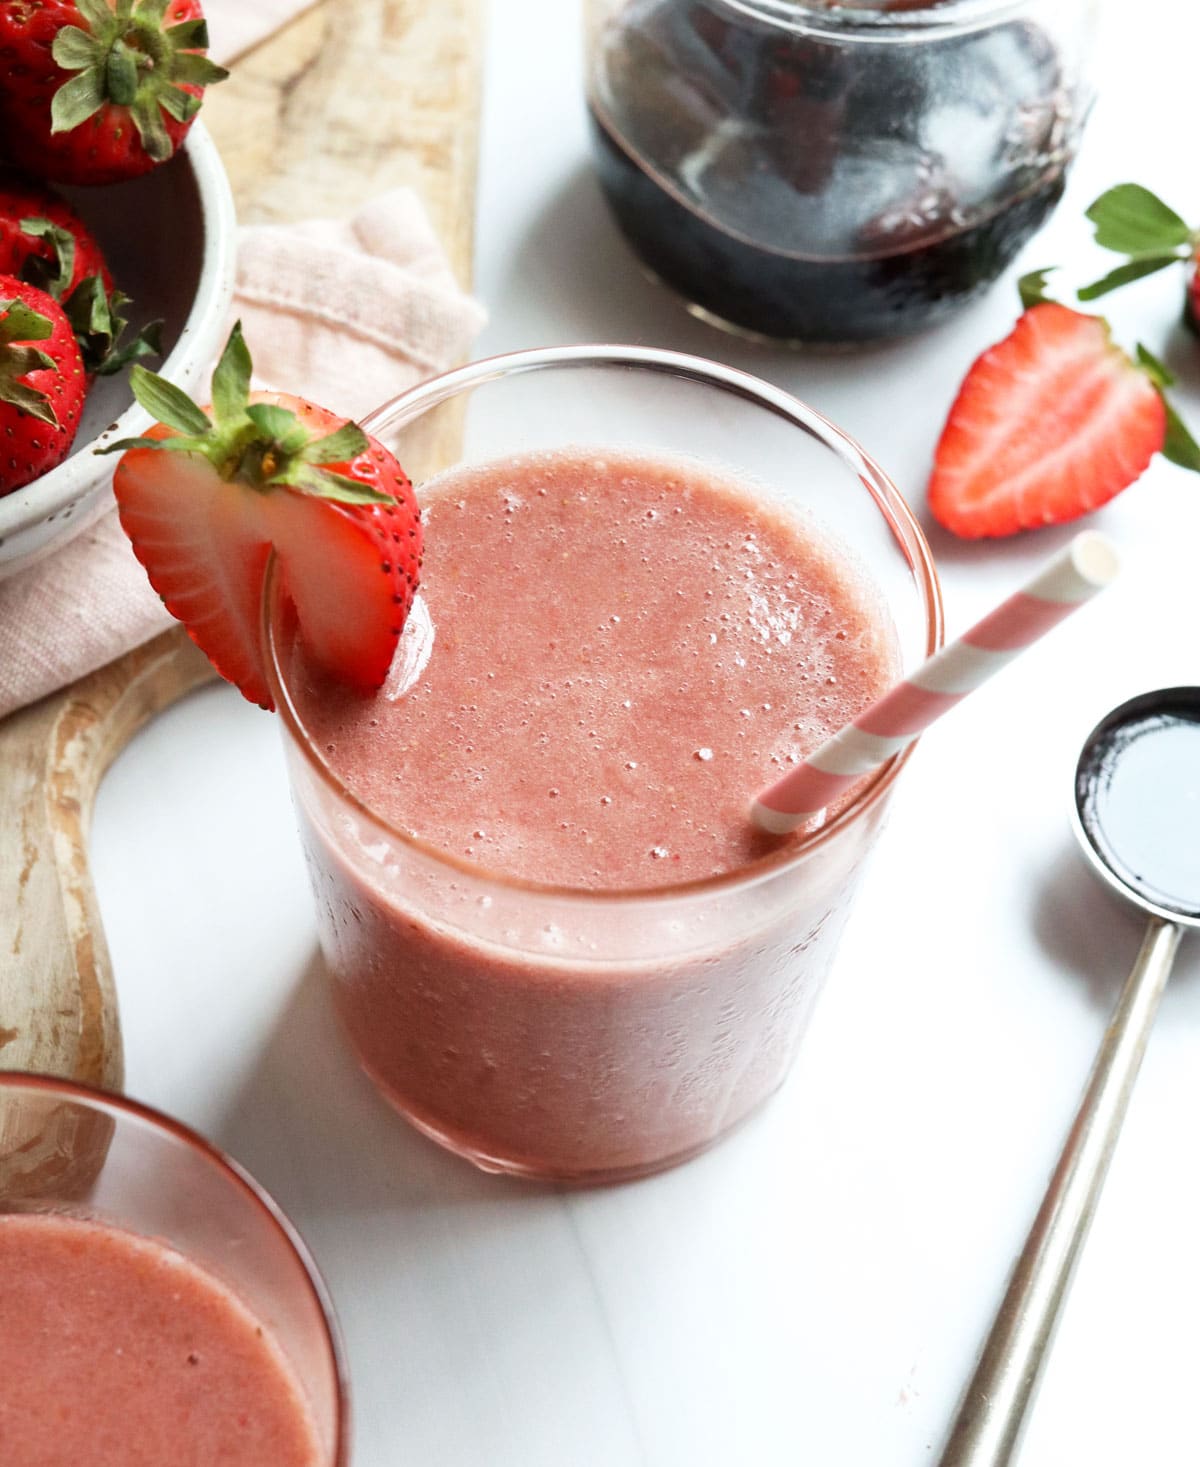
875, 20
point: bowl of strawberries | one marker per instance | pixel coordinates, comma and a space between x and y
116, 245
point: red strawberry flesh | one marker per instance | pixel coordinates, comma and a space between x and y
1049, 424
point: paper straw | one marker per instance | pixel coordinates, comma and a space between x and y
1086, 566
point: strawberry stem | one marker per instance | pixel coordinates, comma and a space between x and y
262, 445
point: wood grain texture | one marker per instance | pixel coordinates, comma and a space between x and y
354, 97
58, 1012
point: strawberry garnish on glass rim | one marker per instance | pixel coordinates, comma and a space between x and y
1050, 423
205, 499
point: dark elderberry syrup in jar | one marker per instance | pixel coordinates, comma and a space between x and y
834, 171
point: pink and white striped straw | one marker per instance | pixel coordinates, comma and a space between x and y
1086, 566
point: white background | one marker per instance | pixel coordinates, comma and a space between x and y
812, 1291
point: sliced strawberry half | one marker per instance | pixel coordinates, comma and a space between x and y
204, 500
1050, 423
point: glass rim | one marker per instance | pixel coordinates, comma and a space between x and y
121, 1106
873, 20
888, 500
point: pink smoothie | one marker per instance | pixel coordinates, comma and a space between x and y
118, 1352
610, 655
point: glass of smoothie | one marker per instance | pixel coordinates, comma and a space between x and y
650, 584
828, 171
155, 1305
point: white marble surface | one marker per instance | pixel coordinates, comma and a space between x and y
812, 1291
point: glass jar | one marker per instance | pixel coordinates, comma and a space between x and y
838, 171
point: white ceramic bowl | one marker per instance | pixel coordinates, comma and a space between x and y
169, 240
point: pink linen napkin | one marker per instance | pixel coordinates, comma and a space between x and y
347, 313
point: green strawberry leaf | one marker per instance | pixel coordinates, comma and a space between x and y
180, 105
325, 484
53, 276
30, 401
1180, 448
189, 35
339, 447
96, 13
178, 444
167, 403
21, 360
231, 380
1032, 288
147, 343
1124, 274
98, 323
278, 424
74, 49
147, 118
20, 322
1132, 221
77, 100
197, 71
1158, 372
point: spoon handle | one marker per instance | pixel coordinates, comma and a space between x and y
993, 1409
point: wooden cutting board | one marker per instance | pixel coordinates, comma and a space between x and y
354, 97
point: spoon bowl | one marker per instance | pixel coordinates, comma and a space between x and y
1137, 802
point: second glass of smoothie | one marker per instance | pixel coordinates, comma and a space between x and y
156, 1307
650, 584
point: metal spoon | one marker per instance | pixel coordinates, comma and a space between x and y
1137, 816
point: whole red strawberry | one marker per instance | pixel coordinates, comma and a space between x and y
42, 384
44, 241
92, 92
205, 499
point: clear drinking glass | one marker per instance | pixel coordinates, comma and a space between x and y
68, 1150
598, 1034
840, 171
